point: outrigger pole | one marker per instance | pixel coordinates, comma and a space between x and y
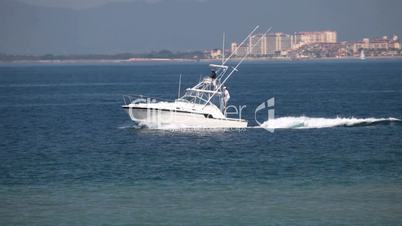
224, 61
223, 48
240, 62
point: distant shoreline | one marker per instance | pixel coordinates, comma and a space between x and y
98, 61
181, 60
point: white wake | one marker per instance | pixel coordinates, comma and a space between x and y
301, 122
304, 122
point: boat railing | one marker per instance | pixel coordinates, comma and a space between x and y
128, 99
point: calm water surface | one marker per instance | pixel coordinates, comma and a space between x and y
71, 156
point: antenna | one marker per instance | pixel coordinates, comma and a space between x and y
178, 93
223, 48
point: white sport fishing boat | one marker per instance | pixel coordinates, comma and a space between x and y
201, 106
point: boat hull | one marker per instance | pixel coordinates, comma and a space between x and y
180, 119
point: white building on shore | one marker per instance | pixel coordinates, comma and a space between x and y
315, 37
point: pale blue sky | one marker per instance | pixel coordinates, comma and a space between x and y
113, 26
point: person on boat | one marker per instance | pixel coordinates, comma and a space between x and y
226, 96
213, 75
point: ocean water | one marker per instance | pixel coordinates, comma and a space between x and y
69, 155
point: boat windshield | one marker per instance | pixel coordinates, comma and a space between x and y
193, 99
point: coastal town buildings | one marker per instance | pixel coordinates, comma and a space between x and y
280, 43
316, 44
377, 44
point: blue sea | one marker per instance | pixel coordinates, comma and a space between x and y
69, 154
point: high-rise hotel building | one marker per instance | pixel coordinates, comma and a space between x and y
278, 42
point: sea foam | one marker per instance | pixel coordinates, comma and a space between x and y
304, 122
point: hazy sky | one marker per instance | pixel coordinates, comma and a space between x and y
82, 4
113, 26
